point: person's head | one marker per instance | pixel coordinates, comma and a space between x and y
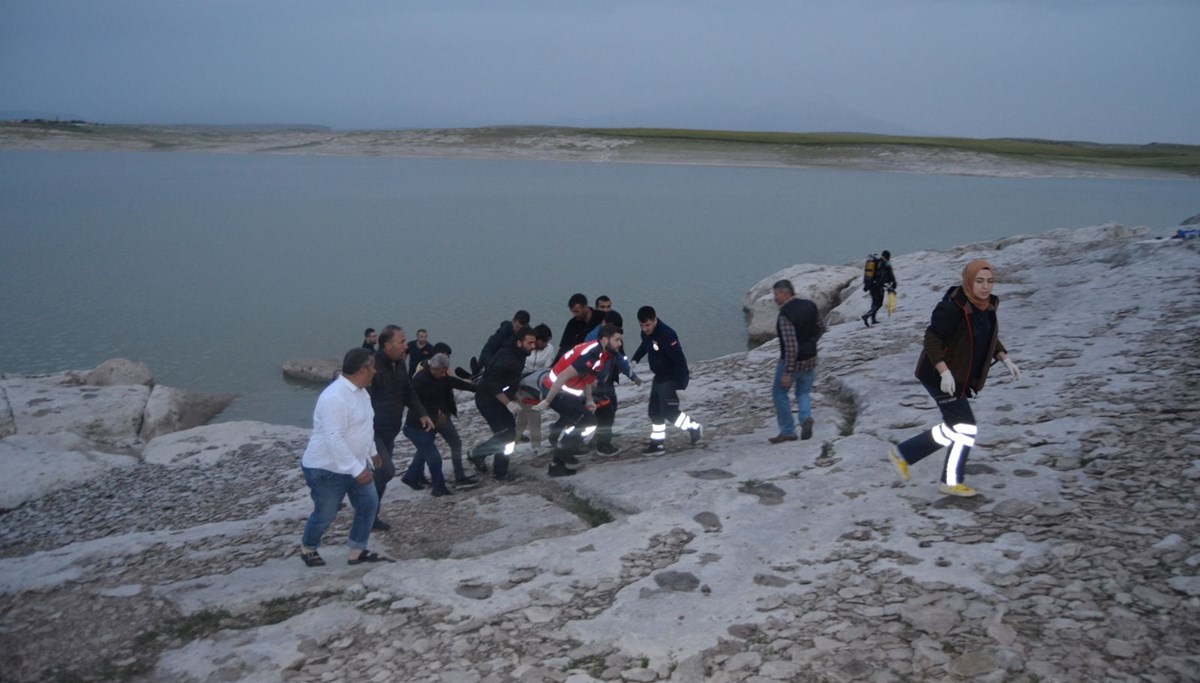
520, 319
613, 318
358, 366
782, 291
442, 348
603, 303
647, 319
542, 336
439, 365
978, 279
393, 343
887, 255
370, 337
610, 337
578, 306
524, 341
422, 337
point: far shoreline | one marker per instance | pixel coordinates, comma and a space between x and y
858, 152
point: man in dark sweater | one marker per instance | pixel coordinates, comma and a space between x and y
495, 399
419, 351
391, 392
799, 327
671, 376
584, 319
435, 388
503, 336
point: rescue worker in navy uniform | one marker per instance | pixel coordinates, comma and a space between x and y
567, 388
671, 376
495, 399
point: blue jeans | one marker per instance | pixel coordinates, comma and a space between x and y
449, 432
802, 383
327, 490
427, 454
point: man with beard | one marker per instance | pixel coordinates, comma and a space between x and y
567, 388
495, 399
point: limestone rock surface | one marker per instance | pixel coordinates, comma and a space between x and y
169, 409
313, 370
821, 284
117, 371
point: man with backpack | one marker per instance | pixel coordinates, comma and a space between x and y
877, 278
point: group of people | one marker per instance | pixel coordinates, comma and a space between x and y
519, 375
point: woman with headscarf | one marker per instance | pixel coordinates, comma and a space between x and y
961, 343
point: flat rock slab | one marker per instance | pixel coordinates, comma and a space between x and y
209, 444
105, 415
32, 466
313, 370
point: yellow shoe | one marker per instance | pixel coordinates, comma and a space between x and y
899, 462
958, 490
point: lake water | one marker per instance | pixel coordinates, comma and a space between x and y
215, 269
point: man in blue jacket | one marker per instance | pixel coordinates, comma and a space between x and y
671, 376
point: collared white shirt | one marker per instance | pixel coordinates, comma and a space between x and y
343, 434
539, 360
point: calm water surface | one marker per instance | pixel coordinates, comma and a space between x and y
214, 269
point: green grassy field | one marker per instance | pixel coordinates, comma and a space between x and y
1169, 157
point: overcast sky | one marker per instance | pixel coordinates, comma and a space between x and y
1104, 70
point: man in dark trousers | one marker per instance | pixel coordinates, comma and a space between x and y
881, 280
391, 392
584, 318
799, 327
605, 391
495, 399
435, 386
671, 376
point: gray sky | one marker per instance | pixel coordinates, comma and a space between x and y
1104, 70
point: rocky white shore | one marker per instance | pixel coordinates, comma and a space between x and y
734, 560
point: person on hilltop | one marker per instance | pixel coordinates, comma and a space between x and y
799, 327
338, 461
540, 358
961, 343
495, 397
877, 281
419, 351
434, 388
671, 376
369, 339
583, 319
567, 388
391, 392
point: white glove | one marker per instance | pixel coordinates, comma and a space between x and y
541, 406
514, 407
1012, 368
948, 383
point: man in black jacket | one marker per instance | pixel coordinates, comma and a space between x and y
391, 392
671, 376
799, 327
584, 319
503, 336
495, 399
883, 279
435, 387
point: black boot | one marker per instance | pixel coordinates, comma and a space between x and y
559, 468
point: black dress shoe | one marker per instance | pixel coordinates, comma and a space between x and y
558, 469
606, 448
466, 480
380, 525
479, 462
443, 491
414, 484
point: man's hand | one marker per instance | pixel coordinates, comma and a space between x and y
514, 407
427, 424
785, 381
637, 381
541, 406
376, 461
590, 406
365, 477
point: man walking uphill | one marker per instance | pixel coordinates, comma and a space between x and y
338, 461
671, 376
880, 279
799, 327
391, 392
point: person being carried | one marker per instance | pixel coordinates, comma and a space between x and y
671, 376
495, 399
880, 279
567, 388
961, 342
541, 358
338, 461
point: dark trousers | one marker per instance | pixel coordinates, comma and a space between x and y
664, 402
956, 434
427, 456
574, 422
504, 433
385, 444
876, 303
449, 431
606, 414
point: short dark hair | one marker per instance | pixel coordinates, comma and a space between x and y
646, 314
614, 318
442, 347
887, 254
526, 331
388, 332
542, 332
576, 298
521, 316
355, 359
785, 285
608, 330
602, 297
422, 330
368, 331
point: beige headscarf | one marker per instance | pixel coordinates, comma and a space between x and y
969, 272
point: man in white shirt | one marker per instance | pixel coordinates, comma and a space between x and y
539, 359
340, 458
